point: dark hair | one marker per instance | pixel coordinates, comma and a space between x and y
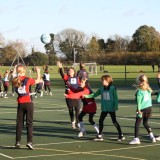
73, 69
81, 65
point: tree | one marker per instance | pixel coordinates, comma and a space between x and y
12, 49
102, 44
69, 40
146, 38
37, 58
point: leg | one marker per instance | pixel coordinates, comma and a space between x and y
20, 122
29, 121
114, 121
70, 109
101, 120
91, 115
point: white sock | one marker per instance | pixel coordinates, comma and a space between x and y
151, 135
81, 125
96, 128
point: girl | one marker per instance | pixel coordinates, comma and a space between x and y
144, 104
25, 105
109, 105
46, 78
73, 104
89, 105
6, 83
38, 88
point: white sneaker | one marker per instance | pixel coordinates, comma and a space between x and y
35, 96
153, 139
81, 134
98, 138
158, 138
30, 146
41, 94
50, 93
135, 141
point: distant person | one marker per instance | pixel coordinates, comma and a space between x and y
46, 79
153, 67
143, 111
82, 73
6, 83
39, 87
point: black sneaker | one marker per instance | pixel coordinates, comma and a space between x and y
30, 146
17, 145
98, 138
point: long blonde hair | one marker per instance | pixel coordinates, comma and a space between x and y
143, 83
21, 70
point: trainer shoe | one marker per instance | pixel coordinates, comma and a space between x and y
121, 138
30, 146
158, 138
81, 134
50, 93
135, 141
153, 139
98, 138
17, 145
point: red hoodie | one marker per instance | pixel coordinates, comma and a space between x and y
89, 104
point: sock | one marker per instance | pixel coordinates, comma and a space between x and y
81, 124
96, 128
151, 135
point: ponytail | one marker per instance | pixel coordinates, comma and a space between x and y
16, 81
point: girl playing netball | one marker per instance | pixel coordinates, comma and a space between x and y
109, 105
73, 104
89, 105
25, 105
144, 104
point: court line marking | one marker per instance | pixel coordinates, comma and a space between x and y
90, 152
4, 155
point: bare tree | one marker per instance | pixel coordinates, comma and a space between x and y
70, 40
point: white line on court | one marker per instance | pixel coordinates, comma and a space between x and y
6, 156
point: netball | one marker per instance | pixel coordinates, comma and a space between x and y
45, 38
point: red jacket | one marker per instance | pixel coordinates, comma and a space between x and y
89, 104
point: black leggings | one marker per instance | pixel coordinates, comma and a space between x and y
146, 113
73, 105
91, 115
113, 117
47, 87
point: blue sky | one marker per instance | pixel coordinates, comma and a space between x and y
27, 20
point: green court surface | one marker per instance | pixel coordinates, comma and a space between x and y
54, 137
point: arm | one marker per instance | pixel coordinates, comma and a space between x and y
96, 94
37, 80
139, 99
115, 97
77, 95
